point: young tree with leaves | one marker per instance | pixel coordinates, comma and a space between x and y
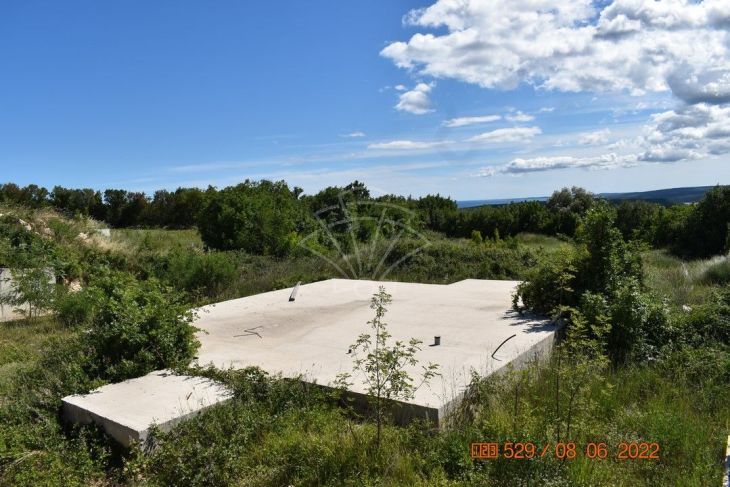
383, 364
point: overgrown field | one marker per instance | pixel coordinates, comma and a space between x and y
646, 358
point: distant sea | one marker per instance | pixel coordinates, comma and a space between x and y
471, 203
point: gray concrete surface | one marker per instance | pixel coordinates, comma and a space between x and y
127, 410
310, 337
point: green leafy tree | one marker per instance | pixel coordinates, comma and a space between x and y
436, 211
258, 217
567, 207
383, 364
30, 291
598, 287
608, 260
705, 232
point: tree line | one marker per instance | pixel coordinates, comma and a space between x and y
267, 217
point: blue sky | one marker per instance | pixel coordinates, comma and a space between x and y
409, 97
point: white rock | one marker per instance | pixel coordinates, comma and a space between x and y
25, 224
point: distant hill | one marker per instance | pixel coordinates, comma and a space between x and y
668, 196
663, 196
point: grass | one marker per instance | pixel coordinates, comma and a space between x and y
633, 404
21, 345
536, 241
156, 240
719, 272
683, 282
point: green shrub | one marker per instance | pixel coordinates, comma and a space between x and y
63, 230
74, 308
137, 327
640, 325
446, 261
549, 285
709, 323
203, 273
705, 230
602, 282
258, 217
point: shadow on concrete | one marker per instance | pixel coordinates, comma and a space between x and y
535, 323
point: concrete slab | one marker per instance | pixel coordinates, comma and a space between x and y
127, 410
311, 335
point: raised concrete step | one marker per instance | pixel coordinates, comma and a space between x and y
127, 410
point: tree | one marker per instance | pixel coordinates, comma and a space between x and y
29, 284
705, 232
383, 365
114, 200
258, 217
30, 291
636, 219
609, 260
436, 211
567, 207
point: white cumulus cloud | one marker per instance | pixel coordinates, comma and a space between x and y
627, 45
356, 133
540, 164
639, 47
416, 101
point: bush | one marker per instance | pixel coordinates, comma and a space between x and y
601, 283
74, 308
445, 261
203, 273
640, 325
137, 327
705, 231
549, 286
258, 217
709, 323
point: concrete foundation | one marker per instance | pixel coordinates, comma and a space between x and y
127, 410
309, 338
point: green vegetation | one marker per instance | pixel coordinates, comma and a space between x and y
382, 365
642, 289
257, 217
156, 240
